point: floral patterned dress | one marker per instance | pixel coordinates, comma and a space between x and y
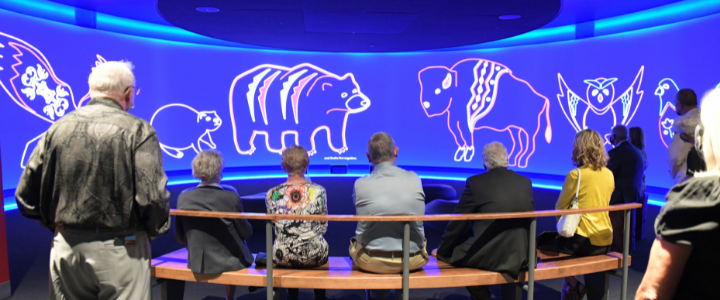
299, 244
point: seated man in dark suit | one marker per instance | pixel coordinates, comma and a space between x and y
626, 164
214, 245
493, 245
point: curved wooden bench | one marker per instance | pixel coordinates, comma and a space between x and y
340, 273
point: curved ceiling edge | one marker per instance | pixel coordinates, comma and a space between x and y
663, 15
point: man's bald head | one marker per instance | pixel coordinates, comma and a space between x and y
620, 133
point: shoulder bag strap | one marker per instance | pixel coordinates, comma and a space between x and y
577, 190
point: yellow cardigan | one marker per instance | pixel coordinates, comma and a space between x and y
596, 186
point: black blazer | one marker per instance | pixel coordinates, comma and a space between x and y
626, 164
492, 245
214, 245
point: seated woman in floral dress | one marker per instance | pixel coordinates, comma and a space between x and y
298, 244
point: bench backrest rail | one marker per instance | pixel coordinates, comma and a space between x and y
270, 218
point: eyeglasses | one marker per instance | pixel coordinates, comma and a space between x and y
137, 90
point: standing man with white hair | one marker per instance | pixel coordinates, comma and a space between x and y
96, 180
495, 245
388, 190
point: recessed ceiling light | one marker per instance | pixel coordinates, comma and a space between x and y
207, 9
509, 17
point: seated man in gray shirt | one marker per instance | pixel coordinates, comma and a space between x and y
388, 190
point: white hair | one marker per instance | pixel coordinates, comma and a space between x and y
710, 115
686, 125
208, 165
111, 78
495, 155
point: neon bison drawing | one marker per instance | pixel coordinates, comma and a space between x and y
29, 80
470, 90
180, 127
267, 100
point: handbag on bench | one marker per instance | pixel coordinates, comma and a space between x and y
567, 225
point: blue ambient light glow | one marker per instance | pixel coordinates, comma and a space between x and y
667, 14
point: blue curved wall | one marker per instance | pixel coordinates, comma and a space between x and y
437, 105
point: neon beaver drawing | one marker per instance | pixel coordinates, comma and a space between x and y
469, 91
294, 103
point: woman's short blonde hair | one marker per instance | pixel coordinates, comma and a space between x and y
295, 160
208, 165
589, 150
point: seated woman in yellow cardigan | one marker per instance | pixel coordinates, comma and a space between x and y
594, 232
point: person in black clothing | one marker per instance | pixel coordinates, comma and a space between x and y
683, 260
214, 245
637, 139
626, 164
493, 245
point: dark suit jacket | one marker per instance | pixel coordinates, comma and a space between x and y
626, 164
214, 245
493, 245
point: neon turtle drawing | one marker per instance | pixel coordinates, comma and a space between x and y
469, 91
600, 110
181, 127
266, 100
29, 80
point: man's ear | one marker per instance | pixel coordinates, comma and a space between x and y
396, 152
368, 156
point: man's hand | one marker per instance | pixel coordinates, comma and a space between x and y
434, 253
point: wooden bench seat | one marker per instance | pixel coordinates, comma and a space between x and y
340, 273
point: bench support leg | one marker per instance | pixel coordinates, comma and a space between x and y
626, 249
172, 289
532, 253
607, 286
270, 256
406, 262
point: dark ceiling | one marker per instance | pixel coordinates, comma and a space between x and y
329, 25
359, 25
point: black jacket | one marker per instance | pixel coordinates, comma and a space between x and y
97, 168
492, 245
626, 164
214, 245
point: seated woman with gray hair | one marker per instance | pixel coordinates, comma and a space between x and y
298, 244
214, 245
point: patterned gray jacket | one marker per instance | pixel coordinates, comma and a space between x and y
97, 168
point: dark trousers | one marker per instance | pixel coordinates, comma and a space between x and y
641, 218
595, 284
617, 218
482, 292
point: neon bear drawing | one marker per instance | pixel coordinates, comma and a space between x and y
666, 90
470, 90
600, 110
267, 100
29, 80
180, 127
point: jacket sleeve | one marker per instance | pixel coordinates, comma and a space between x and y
614, 162
242, 226
27, 194
150, 182
455, 229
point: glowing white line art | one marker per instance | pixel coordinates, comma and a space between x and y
667, 88
181, 127
597, 91
329, 95
26, 76
473, 84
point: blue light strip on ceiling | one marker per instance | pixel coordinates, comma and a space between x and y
9, 207
663, 15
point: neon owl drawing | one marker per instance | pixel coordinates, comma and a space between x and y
196, 128
666, 90
268, 100
600, 110
470, 90
29, 80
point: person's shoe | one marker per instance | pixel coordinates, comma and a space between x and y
568, 293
